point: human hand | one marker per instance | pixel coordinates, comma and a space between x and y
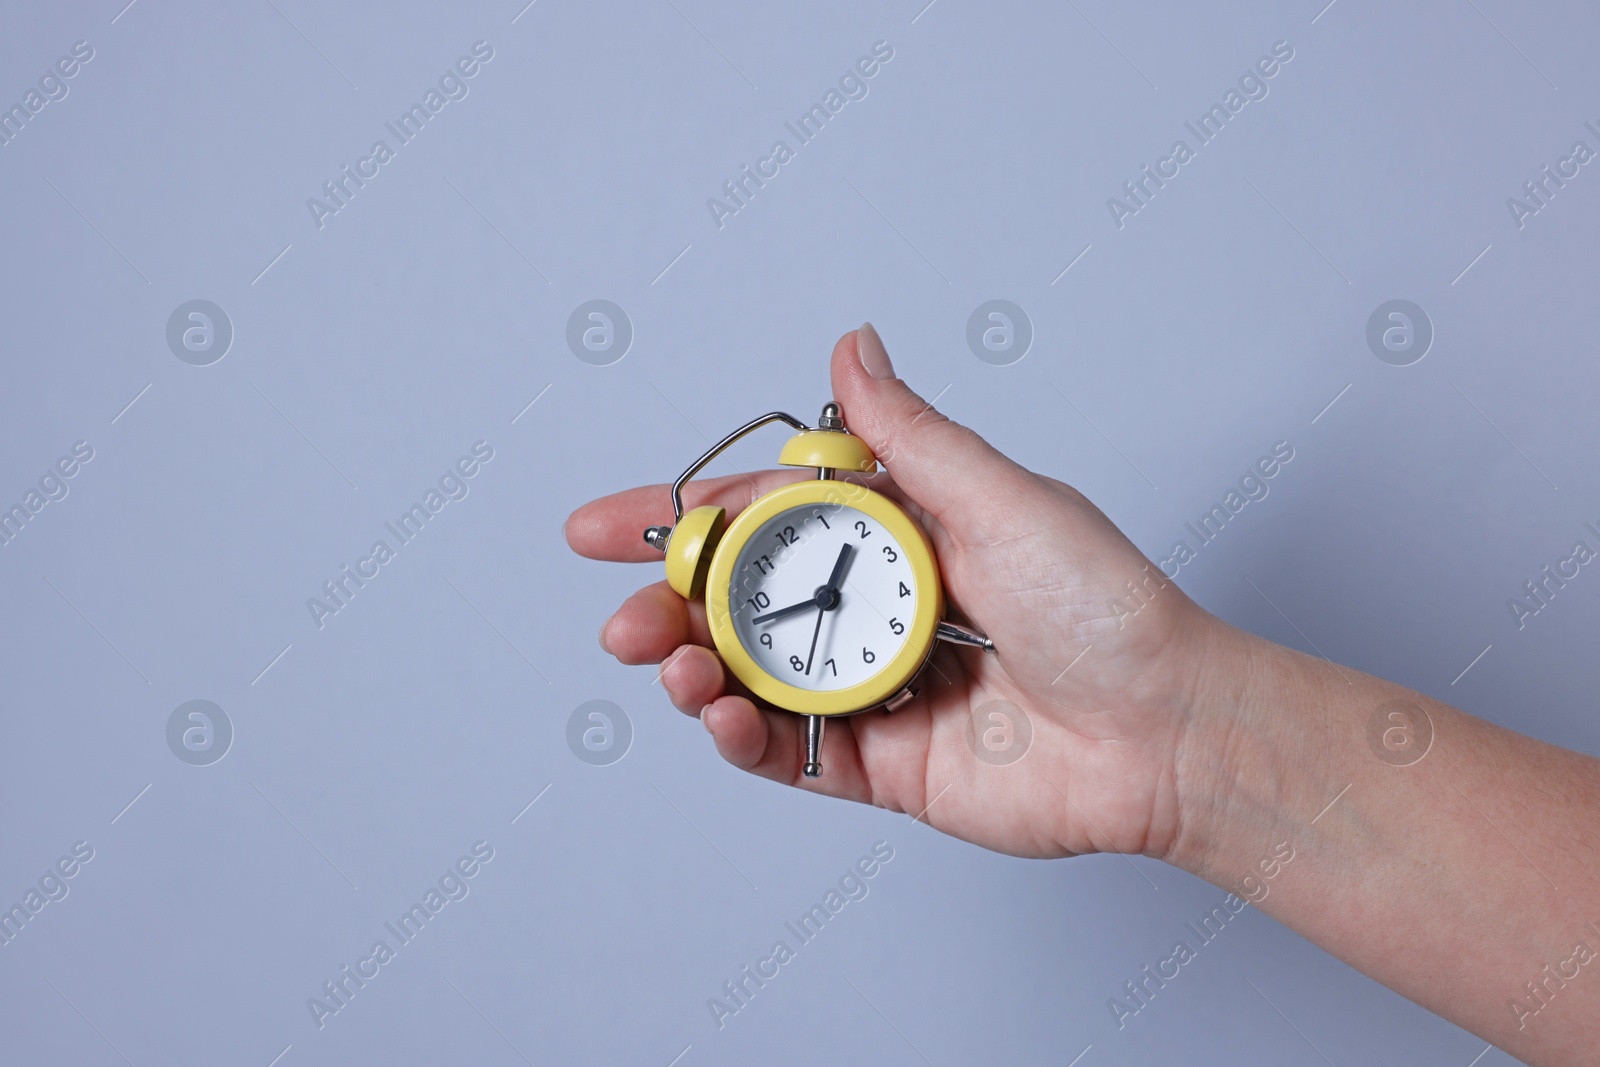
1144, 708
1109, 692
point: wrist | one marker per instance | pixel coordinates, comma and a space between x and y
1243, 760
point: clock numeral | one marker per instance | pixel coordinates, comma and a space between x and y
863, 528
763, 564
820, 517
903, 590
787, 536
897, 626
794, 661
760, 600
894, 556
868, 656
835, 666
766, 639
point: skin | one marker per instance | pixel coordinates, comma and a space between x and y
1455, 879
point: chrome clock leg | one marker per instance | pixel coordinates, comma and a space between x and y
814, 746
960, 635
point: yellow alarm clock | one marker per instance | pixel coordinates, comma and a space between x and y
823, 597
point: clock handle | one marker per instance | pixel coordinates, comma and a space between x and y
711, 453
814, 746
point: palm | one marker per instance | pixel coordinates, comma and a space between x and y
1095, 698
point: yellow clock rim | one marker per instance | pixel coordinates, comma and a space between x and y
919, 632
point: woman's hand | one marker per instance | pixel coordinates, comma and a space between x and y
1465, 876
1097, 649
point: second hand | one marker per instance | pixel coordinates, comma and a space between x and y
820, 613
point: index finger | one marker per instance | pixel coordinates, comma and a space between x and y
612, 528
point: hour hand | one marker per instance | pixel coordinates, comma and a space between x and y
792, 609
839, 566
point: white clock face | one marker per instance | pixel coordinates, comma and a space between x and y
803, 626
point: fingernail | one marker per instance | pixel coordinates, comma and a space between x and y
703, 721
874, 357
603, 644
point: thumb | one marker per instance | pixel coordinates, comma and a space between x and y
951, 472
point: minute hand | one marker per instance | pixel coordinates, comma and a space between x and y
785, 612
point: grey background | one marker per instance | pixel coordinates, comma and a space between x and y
369, 354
